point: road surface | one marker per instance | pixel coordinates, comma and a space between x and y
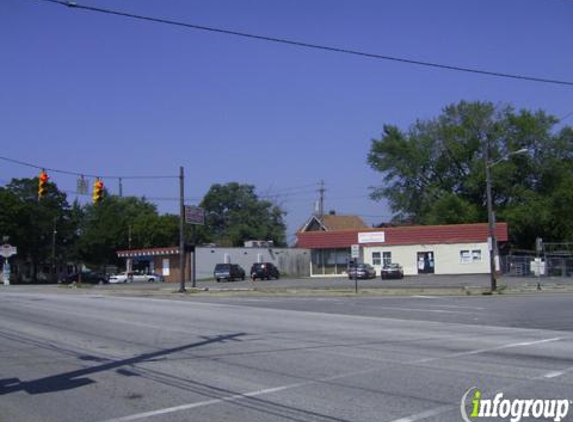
97, 358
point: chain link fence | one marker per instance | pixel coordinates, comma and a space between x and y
524, 265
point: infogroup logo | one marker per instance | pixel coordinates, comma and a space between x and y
511, 409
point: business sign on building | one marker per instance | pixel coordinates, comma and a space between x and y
371, 237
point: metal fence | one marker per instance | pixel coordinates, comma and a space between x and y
521, 265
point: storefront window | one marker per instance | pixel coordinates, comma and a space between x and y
329, 261
376, 258
387, 258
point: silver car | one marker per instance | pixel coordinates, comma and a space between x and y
133, 277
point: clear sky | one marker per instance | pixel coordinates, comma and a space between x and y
100, 94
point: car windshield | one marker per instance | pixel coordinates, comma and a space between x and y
222, 267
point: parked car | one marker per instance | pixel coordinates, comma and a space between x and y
392, 270
132, 277
93, 277
264, 270
363, 271
229, 272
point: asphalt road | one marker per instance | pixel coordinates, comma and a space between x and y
98, 358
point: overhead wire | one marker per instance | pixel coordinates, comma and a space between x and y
73, 173
303, 44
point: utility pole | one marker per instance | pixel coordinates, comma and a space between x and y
120, 188
491, 224
194, 274
181, 231
321, 203
54, 232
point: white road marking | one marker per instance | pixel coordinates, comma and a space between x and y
233, 398
426, 414
490, 349
554, 374
438, 311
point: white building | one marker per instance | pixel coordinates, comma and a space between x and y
444, 249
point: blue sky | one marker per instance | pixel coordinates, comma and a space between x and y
100, 94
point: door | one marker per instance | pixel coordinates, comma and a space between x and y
426, 263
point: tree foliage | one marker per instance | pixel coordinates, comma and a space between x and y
234, 213
92, 234
434, 173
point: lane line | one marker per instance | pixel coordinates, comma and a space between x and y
233, 398
426, 414
491, 349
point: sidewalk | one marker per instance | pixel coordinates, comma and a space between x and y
472, 285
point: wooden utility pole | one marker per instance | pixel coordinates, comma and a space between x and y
181, 231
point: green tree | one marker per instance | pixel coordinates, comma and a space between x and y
234, 214
434, 173
105, 228
33, 224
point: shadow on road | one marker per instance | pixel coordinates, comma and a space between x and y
76, 379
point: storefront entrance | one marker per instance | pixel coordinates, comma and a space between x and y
426, 263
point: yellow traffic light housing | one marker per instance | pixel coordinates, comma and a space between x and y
42, 184
97, 194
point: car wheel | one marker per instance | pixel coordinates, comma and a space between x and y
151, 280
218, 280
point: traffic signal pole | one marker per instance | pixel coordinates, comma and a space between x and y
181, 232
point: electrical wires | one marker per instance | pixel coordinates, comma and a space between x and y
308, 45
72, 173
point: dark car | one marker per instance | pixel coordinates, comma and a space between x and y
228, 272
264, 270
364, 271
392, 270
92, 277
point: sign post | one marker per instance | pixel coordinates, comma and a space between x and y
355, 255
194, 216
6, 251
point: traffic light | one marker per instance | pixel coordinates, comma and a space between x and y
42, 184
97, 194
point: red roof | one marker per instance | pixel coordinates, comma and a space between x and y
407, 235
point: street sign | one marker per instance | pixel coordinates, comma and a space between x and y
194, 215
7, 250
355, 251
82, 186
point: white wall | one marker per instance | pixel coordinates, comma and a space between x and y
447, 259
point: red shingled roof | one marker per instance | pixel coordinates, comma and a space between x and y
407, 235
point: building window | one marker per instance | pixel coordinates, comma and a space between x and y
376, 258
465, 257
386, 258
468, 257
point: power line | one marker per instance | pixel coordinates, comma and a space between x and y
303, 44
72, 173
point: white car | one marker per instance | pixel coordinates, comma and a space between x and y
134, 277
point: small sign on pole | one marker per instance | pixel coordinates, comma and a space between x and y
6, 251
355, 251
194, 215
